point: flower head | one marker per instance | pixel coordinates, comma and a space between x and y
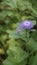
26, 24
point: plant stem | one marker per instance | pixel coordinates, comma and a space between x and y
27, 35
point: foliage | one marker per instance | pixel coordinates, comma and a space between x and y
14, 47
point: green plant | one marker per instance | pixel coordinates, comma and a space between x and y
13, 47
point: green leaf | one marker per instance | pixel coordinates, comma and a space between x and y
34, 35
9, 61
14, 35
32, 44
33, 60
24, 62
15, 56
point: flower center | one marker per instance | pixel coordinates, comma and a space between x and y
26, 23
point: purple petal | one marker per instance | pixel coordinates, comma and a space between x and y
26, 24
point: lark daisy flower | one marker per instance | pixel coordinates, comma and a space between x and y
26, 24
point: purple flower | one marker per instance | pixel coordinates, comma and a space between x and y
26, 24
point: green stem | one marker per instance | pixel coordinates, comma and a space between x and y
27, 35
